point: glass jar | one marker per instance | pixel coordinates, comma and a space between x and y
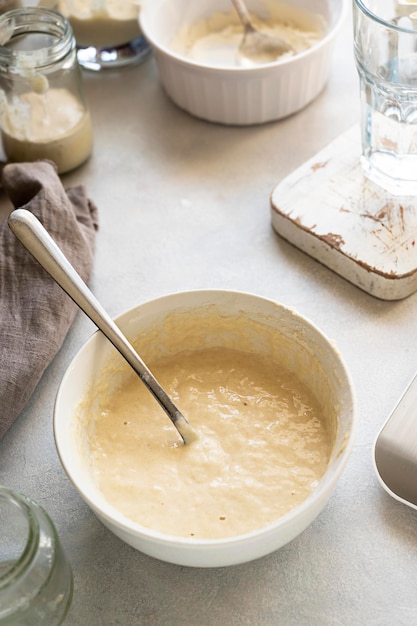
35, 577
43, 111
107, 32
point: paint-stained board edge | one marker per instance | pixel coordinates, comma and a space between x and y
293, 217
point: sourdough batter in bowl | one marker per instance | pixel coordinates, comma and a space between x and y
273, 406
263, 440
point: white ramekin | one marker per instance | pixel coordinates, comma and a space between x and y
238, 95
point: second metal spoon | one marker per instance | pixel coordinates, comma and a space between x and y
255, 46
30, 232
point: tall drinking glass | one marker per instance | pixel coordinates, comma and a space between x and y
385, 44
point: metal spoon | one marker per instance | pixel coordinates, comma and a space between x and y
30, 232
395, 450
255, 46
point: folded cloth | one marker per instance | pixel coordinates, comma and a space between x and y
35, 314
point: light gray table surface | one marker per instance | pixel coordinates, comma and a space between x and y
184, 204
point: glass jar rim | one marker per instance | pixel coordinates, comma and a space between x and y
32, 539
35, 21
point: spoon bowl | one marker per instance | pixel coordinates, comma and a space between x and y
257, 47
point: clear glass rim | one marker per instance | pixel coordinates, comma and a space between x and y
376, 18
35, 20
29, 551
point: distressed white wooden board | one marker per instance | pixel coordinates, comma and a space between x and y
328, 209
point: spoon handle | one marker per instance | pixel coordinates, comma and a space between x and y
243, 13
30, 232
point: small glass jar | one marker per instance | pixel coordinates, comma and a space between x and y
43, 111
35, 577
107, 32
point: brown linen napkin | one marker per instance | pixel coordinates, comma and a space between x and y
35, 314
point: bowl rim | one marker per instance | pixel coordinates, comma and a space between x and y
107, 511
262, 67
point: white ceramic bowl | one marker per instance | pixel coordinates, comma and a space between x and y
238, 95
309, 351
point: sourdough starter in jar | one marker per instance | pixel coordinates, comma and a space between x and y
43, 112
102, 23
107, 32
